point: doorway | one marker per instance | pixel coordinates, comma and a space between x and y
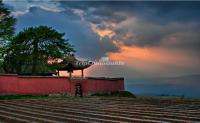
78, 90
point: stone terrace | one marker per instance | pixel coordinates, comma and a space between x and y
99, 109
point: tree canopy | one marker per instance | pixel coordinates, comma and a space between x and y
7, 24
7, 30
31, 48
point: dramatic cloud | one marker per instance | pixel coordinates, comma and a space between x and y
22, 7
78, 31
152, 38
142, 33
157, 60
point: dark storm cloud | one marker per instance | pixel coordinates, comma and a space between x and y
176, 11
167, 29
153, 11
156, 22
86, 42
150, 34
97, 12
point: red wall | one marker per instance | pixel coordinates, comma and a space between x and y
13, 84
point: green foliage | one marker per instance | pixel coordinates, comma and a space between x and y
122, 94
115, 94
7, 24
10, 96
31, 48
58, 95
7, 30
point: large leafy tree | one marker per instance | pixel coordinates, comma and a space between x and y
32, 47
7, 30
7, 25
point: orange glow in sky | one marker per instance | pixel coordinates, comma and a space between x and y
103, 32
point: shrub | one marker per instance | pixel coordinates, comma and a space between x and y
115, 94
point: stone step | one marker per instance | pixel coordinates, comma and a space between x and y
148, 107
88, 112
101, 117
54, 115
26, 117
130, 111
136, 115
133, 106
99, 110
12, 119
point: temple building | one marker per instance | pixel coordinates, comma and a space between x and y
70, 64
21, 84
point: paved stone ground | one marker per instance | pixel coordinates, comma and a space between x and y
99, 109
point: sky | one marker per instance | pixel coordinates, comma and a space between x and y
153, 39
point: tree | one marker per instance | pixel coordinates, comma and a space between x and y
31, 48
7, 30
7, 25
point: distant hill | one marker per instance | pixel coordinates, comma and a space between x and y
182, 85
183, 80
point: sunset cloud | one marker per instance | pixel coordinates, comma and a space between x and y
152, 38
157, 61
103, 32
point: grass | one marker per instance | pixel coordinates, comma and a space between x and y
11, 96
115, 94
64, 95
